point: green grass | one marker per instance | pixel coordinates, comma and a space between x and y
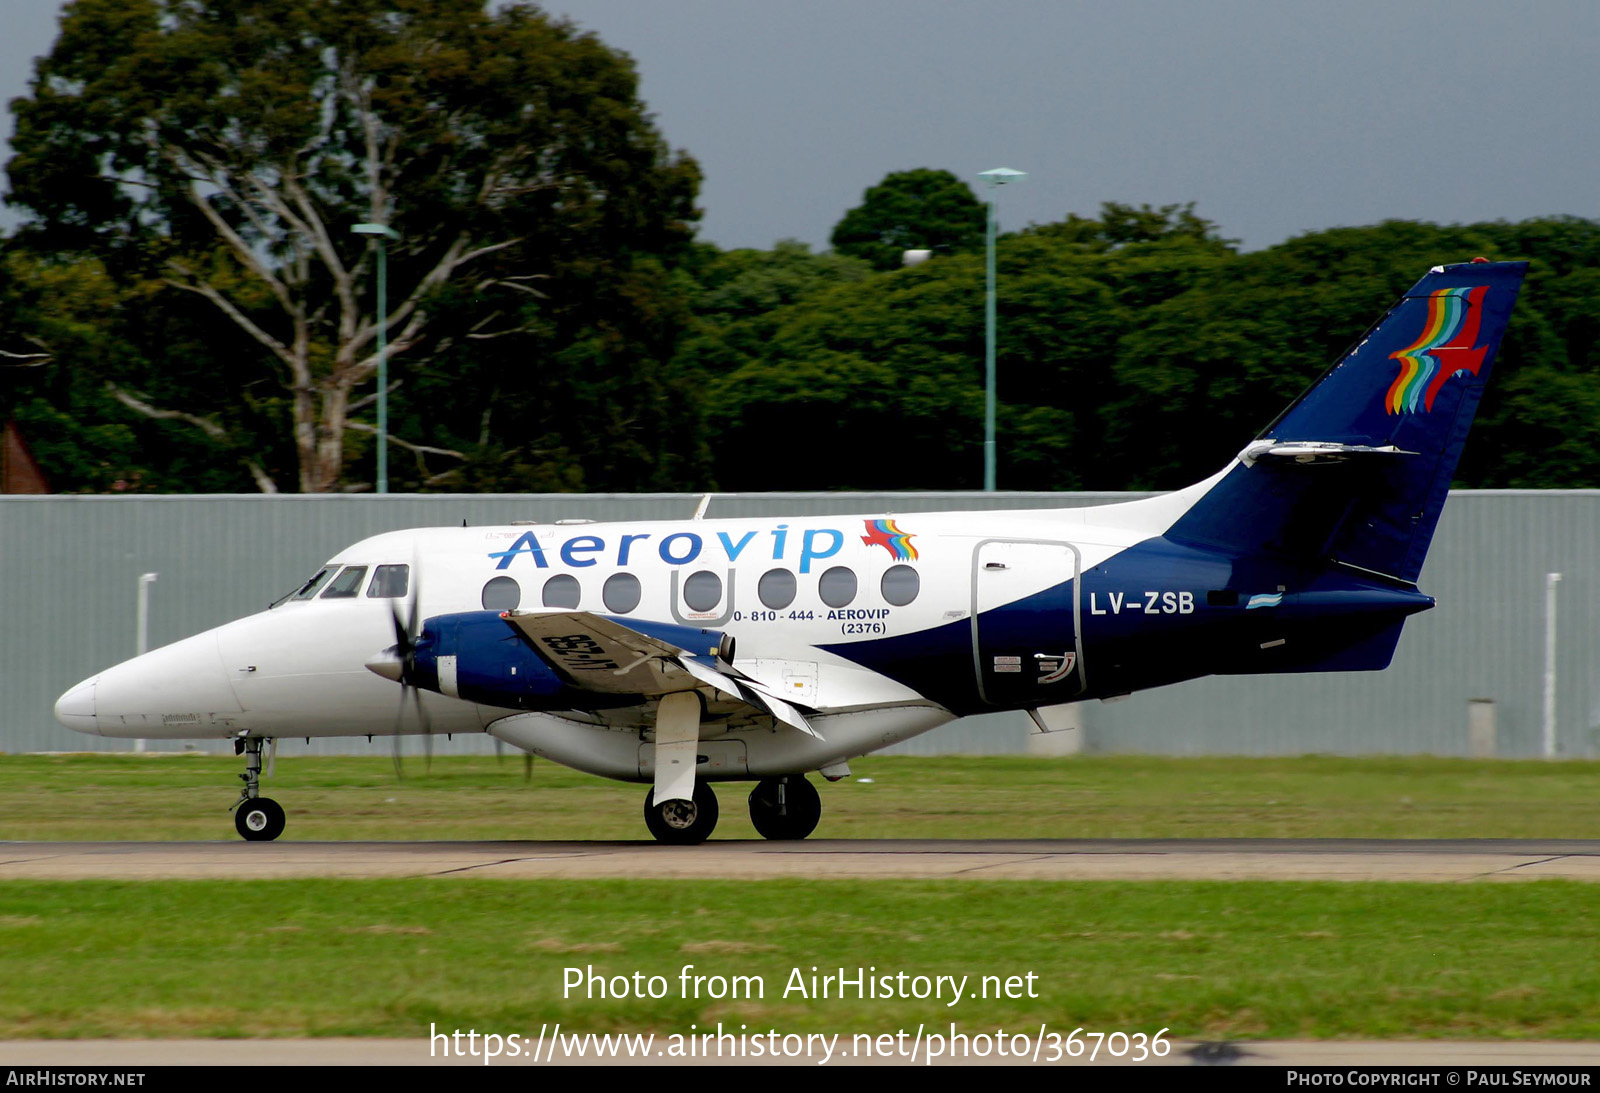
1210, 960
187, 797
386, 958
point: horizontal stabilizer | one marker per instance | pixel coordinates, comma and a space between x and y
1314, 451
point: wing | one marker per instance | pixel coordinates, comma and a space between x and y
602, 654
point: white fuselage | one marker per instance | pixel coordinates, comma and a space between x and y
784, 589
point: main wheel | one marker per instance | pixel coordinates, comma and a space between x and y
259, 819
682, 823
798, 813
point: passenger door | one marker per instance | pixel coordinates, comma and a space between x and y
1027, 637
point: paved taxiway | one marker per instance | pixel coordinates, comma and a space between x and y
1041, 859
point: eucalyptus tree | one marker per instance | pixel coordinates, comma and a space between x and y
222, 151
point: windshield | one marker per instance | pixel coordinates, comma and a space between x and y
346, 584
307, 590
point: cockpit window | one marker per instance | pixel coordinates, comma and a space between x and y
309, 589
346, 584
389, 582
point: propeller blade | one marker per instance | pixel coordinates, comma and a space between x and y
406, 632
401, 638
427, 729
399, 767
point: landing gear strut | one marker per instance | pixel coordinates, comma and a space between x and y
680, 822
257, 818
785, 808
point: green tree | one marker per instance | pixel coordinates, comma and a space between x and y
922, 209
1120, 225
1138, 351
65, 318
221, 150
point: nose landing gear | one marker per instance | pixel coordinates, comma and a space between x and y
257, 818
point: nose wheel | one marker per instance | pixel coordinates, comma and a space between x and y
680, 822
258, 819
785, 808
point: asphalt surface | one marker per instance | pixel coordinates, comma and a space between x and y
1041, 859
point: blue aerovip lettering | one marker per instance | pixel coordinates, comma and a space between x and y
676, 548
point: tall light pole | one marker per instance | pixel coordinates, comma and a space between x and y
142, 626
383, 232
996, 178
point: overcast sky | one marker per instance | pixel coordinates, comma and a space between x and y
1275, 116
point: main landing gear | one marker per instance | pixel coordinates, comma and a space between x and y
785, 808
257, 818
680, 822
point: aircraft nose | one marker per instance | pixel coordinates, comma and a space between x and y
75, 709
168, 693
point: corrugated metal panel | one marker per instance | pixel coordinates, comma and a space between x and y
69, 568
1485, 640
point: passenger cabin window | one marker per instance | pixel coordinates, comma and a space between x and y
347, 584
702, 591
900, 585
561, 591
776, 588
837, 586
309, 589
621, 593
389, 582
501, 594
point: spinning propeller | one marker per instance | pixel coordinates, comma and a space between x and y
406, 632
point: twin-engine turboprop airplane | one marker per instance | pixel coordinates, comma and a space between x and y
680, 654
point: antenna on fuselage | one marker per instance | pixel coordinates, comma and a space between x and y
700, 509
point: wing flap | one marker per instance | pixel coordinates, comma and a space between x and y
595, 653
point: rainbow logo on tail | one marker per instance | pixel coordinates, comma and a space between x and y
1444, 349
884, 533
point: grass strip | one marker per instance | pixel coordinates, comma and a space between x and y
389, 957
80, 797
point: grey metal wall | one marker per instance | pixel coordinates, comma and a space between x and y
69, 568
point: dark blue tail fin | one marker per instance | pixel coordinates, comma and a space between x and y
1357, 469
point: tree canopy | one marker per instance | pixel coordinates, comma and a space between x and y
222, 150
583, 342
1136, 351
911, 210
